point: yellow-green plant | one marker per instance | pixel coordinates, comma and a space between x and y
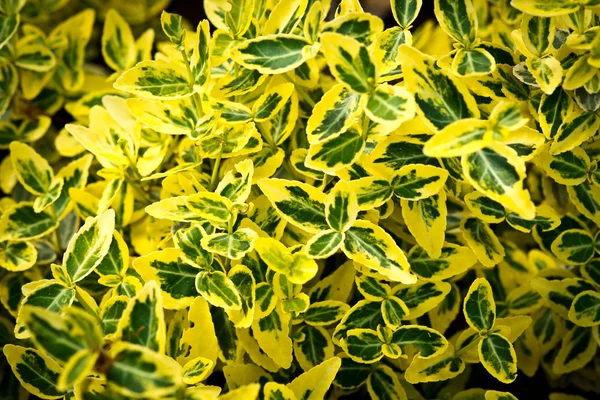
286, 206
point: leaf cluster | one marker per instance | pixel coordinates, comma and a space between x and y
279, 205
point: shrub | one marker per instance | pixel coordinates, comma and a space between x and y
286, 206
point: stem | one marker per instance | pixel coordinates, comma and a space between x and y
466, 348
215, 172
581, 20
54, 235
138, 178
300, 91
287, 165
195, 96
139, 190
365, 127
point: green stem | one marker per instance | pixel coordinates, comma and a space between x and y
215, 172
195, 97
54, 235
466, 348
365, 126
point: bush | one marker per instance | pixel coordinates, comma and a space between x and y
285, 206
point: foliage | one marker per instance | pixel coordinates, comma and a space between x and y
298, 205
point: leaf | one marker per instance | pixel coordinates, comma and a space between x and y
416, 182
285, 17
383, 383
77, 369
363, 346
278, 391
390, 105
405, 11
196, 370
155, 79
272, 334
422, 297
441, 98
497, 172
33, 171
296, 266
585, 310
233, 245
568, 168
553, 110
547, 72
218, 290
21, 222
313, 347
426, 221
244, 282
453, 260
537, 33
8, 73
60, 338
47, 294
484, 208
368, 244
349, 61
172, 27
274, 54
118, 45
200, 60
325, 313
138, 371
143, 322
479, 306
459, 138
559, 294
238, 19
35, 57
475, 62
298, 203
458, 19
428, 342
199, 337
17, 256
210, 206
333, 114
270, 102
236, 184
441, 367
37, 372
89, 246
482, 240
577, 348
314, 384
393, 311
175, 277
546, 218
341, 207
385, 51
545, 8
576, 128
498, 357
110, 314
336, 154
573, 246
8, 26
584, 197
324, 244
